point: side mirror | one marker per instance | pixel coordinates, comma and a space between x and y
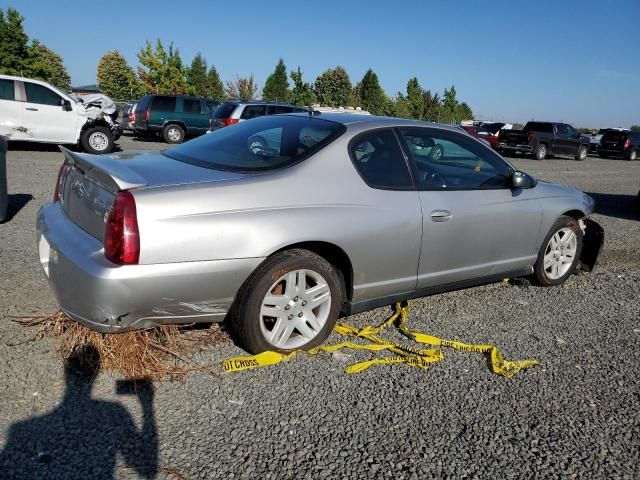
522, 180
66, 105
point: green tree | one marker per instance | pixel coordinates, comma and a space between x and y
276, 87
164, 70
635, 128
14, 44
432, 106
333, 88
116, 78
47, 65
302, 93
463, 112
414, 98
402, 107
215, 88
197, 82
242, 88
449, 106
370, 93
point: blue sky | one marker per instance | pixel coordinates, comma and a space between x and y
575, 61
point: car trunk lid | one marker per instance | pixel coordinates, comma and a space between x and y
88, 187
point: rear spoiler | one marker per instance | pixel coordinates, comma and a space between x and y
111, 173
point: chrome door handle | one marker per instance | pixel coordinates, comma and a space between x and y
32, 109
440, 215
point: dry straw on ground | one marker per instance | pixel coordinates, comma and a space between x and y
161, 353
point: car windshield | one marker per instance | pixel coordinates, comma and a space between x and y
263, 143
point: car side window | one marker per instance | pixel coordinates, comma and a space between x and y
445, 160
163, 104
379, 159
571, 131
561, 129
7, 91
252, 111
41, 95
190, 105
278, 109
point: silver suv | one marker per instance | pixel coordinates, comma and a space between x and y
234, 111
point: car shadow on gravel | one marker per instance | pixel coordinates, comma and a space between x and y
615, 205
82, 437
16, 202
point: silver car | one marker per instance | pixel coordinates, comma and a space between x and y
283, 223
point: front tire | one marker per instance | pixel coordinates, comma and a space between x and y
582, 153
97, 140
540, 153
173, 133
560, 251
290, 302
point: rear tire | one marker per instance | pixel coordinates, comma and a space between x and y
632, 156
582, 153
540, 153
97, 140
173, 133
276, 307
559, 254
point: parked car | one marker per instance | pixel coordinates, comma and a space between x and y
128, 116
620, 143
35, 111
235, 111
544, 138
481, 133
173, 116
330, 213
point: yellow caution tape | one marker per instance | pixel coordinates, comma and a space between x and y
405, 354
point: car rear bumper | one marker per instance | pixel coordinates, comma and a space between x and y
612, 151
110, 298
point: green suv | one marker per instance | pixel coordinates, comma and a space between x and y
173, 116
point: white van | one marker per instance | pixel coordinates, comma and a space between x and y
34, 111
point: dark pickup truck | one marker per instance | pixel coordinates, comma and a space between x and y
544, 138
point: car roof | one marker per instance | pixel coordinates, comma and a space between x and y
377, 121
261, 102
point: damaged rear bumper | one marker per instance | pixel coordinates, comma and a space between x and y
110, 298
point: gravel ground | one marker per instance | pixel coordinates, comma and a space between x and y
574, 416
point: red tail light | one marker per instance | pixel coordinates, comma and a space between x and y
230, 121
530, 137
627, 144
64, 168
121, 236
132, 117
147, 115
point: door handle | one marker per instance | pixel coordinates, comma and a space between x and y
440, 216
32, 109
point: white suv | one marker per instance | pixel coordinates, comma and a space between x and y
34, 111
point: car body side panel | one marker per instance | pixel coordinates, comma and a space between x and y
320, 199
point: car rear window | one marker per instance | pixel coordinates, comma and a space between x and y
224, 110
614, 136
493, 128
163, 104
143, 104
265, 143
538, 127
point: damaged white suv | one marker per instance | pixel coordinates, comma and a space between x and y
35, 111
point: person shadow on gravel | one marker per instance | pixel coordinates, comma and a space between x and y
81, 438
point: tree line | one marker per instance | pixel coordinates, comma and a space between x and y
23, 57
161, 70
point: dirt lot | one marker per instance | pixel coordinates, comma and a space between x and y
574, 416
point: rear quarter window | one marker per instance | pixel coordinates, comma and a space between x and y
163, 104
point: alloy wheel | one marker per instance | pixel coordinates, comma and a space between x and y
98, 141
295, 309
560, 253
